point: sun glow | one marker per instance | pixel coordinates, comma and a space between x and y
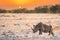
21, 1
30, 4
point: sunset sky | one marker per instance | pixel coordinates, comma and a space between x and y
14, 4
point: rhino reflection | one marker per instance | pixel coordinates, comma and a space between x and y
43, 28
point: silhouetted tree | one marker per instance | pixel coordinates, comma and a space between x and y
58, 8
41, 9
22, 10
53, 9
37, 10
30, 11
3, 11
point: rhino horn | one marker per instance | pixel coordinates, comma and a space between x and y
31, 28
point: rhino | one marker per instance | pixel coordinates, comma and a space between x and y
43, 28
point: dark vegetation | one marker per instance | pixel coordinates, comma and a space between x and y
44, 9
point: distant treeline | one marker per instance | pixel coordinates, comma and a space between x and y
43, 9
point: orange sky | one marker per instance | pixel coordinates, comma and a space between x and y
13, 4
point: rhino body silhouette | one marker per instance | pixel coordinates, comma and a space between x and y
43, 28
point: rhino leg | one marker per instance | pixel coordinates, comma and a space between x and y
50, 32
40, 32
